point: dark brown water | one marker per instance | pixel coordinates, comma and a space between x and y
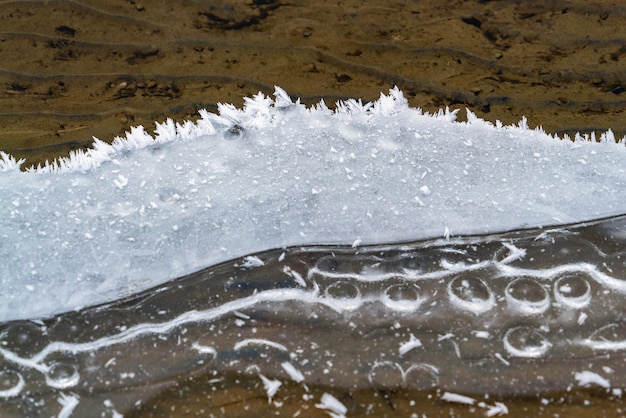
525, 320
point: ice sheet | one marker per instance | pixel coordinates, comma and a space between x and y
341, 326
121, 218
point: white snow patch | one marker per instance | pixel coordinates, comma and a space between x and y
259, 341
485, 335
335, 408
588, 378
252, 261
295, 374
498, 408
120, 182
297, 276
456, 398
203, 349
271, 387
502, 359
514, 253
68, 403
410, 345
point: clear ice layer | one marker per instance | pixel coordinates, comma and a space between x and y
121, 218
497, 318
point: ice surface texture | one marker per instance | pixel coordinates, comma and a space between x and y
524, 317
121, 218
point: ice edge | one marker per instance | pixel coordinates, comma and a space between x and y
228, 116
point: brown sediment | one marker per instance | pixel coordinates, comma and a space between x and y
72, 70
246, 398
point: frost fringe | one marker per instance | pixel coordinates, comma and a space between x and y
257, 112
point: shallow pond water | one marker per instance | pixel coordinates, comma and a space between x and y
530, 320
559, 63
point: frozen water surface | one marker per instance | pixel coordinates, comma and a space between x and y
284, 330
372, 250
121, 218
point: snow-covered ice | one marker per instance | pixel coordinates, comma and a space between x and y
120, 218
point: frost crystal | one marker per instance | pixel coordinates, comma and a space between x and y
120, 218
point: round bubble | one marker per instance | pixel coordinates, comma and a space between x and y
23, 337
609, 337
170, 195
385, 374
328, 263
62, 375
234, 132
11, 383
343, 295
527, 296
470, 293
525, 341
411, 262
422, 376
402, 297
343, 290
573, 291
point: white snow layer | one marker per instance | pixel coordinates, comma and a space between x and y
121, 218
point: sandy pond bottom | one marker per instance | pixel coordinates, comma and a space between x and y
524, 323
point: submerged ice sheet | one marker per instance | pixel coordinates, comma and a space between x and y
121, 218
457, 321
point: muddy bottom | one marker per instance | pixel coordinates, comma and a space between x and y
73, 70
524, 322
